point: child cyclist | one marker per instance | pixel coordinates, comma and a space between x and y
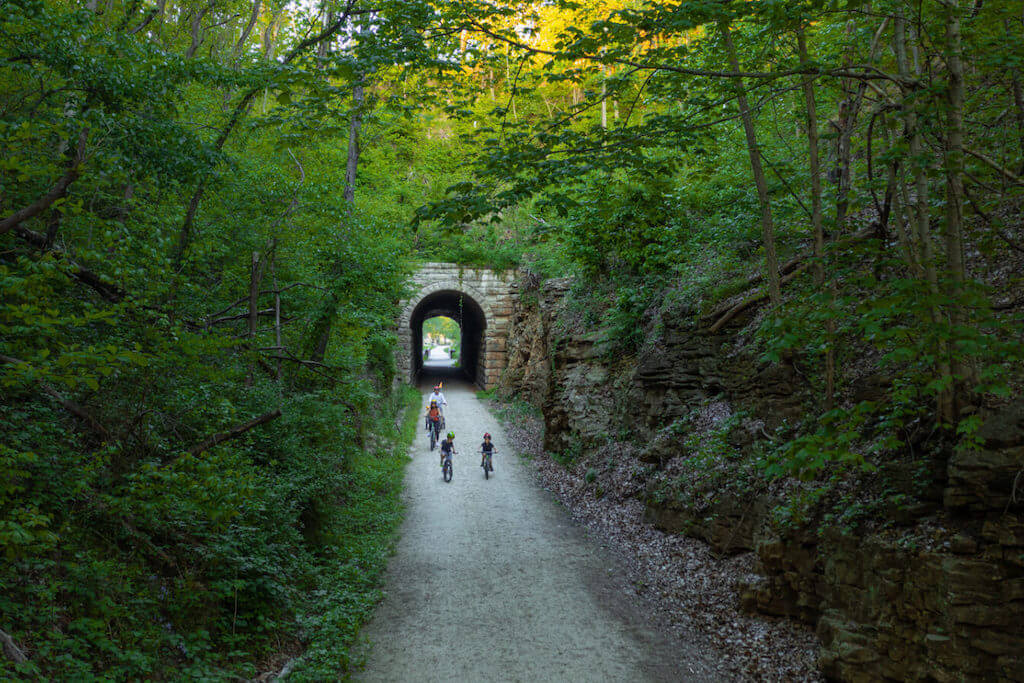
448, 447
433, 416
486, 449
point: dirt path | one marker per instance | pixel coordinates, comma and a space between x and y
492, 581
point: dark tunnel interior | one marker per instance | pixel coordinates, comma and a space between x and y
462, 309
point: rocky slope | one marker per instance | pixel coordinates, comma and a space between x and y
936, 593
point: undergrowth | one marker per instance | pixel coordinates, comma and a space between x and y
362, 538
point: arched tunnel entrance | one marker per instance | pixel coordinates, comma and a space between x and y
472, 321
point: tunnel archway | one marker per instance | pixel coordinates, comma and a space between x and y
487, 299
464, 309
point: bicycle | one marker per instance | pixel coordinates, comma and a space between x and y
487, 464
435, 432
446, 466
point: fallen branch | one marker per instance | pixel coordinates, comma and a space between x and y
12, 651
234, 432
105, 289
1016, 180
747, 303
1007, 305
128, 524
754, 279
1010, 242
789, 270
69, 405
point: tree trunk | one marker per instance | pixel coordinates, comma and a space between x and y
247, 31
185, 234
844, 122
324, 48
816, 217
767, 225
604, 100
1018, 94
849, 110
255, 276
945, 406
962, 369
352, 160
277, 312
196, 31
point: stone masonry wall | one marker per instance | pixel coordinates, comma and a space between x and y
489, 289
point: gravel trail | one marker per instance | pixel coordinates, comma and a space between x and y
492, 581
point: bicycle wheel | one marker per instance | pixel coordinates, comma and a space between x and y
447, 471
433, 438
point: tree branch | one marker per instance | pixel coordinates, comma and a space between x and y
105, 289
862, 71
185, 233
55, 193
78, 411
1016, 180
212, 441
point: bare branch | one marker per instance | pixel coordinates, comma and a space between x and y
1015, 179
212, 441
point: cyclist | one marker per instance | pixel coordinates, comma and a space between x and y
448, 447
439, 398
486, 448
433, 417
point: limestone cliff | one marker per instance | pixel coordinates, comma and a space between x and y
935, 593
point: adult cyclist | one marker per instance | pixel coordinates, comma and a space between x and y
439, 398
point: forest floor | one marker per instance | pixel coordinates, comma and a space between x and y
492, 580
679, 580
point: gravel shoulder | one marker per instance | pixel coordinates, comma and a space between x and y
492, 580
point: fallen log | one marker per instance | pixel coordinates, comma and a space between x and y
747, 303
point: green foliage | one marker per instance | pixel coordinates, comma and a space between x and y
709, 465
129, 551
361, 539
568, 456
442, 326
893, 319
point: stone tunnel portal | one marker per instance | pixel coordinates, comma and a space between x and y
479, 299
472, 321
